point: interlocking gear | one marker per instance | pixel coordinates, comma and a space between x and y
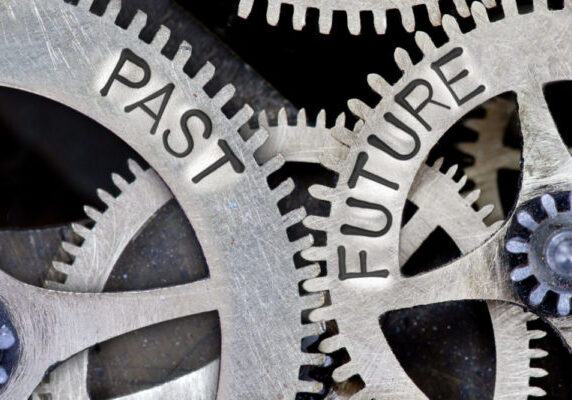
87, 62
352, 9
364, 279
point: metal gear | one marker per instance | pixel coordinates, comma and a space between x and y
66, 53
352, 9
94, 260
364, 278
489, 152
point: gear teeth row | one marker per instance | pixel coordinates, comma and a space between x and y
353, 12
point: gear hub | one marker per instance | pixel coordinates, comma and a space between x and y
540, 244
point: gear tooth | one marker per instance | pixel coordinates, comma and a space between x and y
302, 118
161, 38
486, 211
294, 217
205, 74
538, 372
563, 306
134, 167
341, 134
62, 267
402, 59
452, 171
61, 287
424, 42
520, 274
308, 272
299, 17
517, 246
540, 4
510, 8
119, 181
315, 254
303, 243
85, 5
331, 344
489, 3
309, 386
92, 213
183, 55
313, 301
321, 119
255, 141
451, 27
536, 392
407, 18
434, 13
527, 221
549, 205
321, 192
538, 294
344, 372
359, 108
536, 334
325, 21
473, 196
462, 8
462, 182
273, 165
105, 196
314, 359
537, 353
380, 21
242, 117
138, 22
245, 8
322, 314
112, 11
273, 12
317, 284
282, 117
313, 222
341, 122
81, 230
263, 119
438, 163
354, 21
284, 189
379, 85
224, 95
71, 248
480, 15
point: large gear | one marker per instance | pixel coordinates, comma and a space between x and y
64, 52
364, 279
352, 9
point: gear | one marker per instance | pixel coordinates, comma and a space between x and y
91, 268
489, 153
66, 53
352, 9
362, 254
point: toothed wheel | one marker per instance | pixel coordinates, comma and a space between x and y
61, 51
364, 229
540, 242
353, 9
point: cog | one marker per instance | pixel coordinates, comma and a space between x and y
352, 9
93, 263
110, 75
489, 152
364, 279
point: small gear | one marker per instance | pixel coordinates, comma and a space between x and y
85, 61
364, 279
352, 9
489, 152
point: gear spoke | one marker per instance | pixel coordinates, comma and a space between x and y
546, 158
